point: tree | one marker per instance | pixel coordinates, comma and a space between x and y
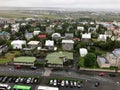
90, 60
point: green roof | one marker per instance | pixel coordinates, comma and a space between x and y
54, 58
25, 59
22, 87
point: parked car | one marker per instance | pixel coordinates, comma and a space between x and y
21, 80
75, 83
51, 82
67, 83
28, 80
17, 80
35, 80
33, 67
79, 84
71, 83
101, 74
32, 80
58, 82
112, 75
10, 80
24, 80
4, 79
55, 82
1, 78
62, 83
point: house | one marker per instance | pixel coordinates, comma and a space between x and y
4, 35
67, 44
24, 61
3, 49
113, 60
69, 36
49, 30
116, 52
33, 44
103, 62
49, 44
28, 35
83, 52
102, 37
80, 28
57, 59
86, 36
15, 27
27, 51
108, 33
11, 21
36, 32
18, 44
6, 26
56, 36
92, 29
42, 36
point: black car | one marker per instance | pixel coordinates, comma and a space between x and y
97, 84
33, 67
112, 75
10, 80
4, 79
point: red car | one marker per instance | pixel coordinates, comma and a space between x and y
18, 66
101, 74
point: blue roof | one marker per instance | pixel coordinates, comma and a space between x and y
4, 33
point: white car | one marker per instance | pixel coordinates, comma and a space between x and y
75, 83
63, 83
51, 82
55, 82
9, 88
66, 83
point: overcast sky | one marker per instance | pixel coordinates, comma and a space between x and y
103, 4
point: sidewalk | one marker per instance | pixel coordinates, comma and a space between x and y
104, 70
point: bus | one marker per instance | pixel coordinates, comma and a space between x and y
21, 87
5, 87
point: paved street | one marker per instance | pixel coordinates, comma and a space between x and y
107, 83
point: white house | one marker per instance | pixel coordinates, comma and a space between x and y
86, 36
49, 44
80, 28
56, 36
102, 37
15, 27
18, 44
35, 33
67, 44
33, 44
83, 52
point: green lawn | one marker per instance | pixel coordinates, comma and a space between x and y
8, 57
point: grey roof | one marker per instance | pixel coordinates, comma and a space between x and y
116, 52
112, 55
69, 35
103, 60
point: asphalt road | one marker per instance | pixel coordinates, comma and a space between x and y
107, 83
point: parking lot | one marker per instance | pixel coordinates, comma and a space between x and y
82, 85
14, 80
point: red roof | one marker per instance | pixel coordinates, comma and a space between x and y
42, 35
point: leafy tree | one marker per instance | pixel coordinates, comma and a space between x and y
90, 60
